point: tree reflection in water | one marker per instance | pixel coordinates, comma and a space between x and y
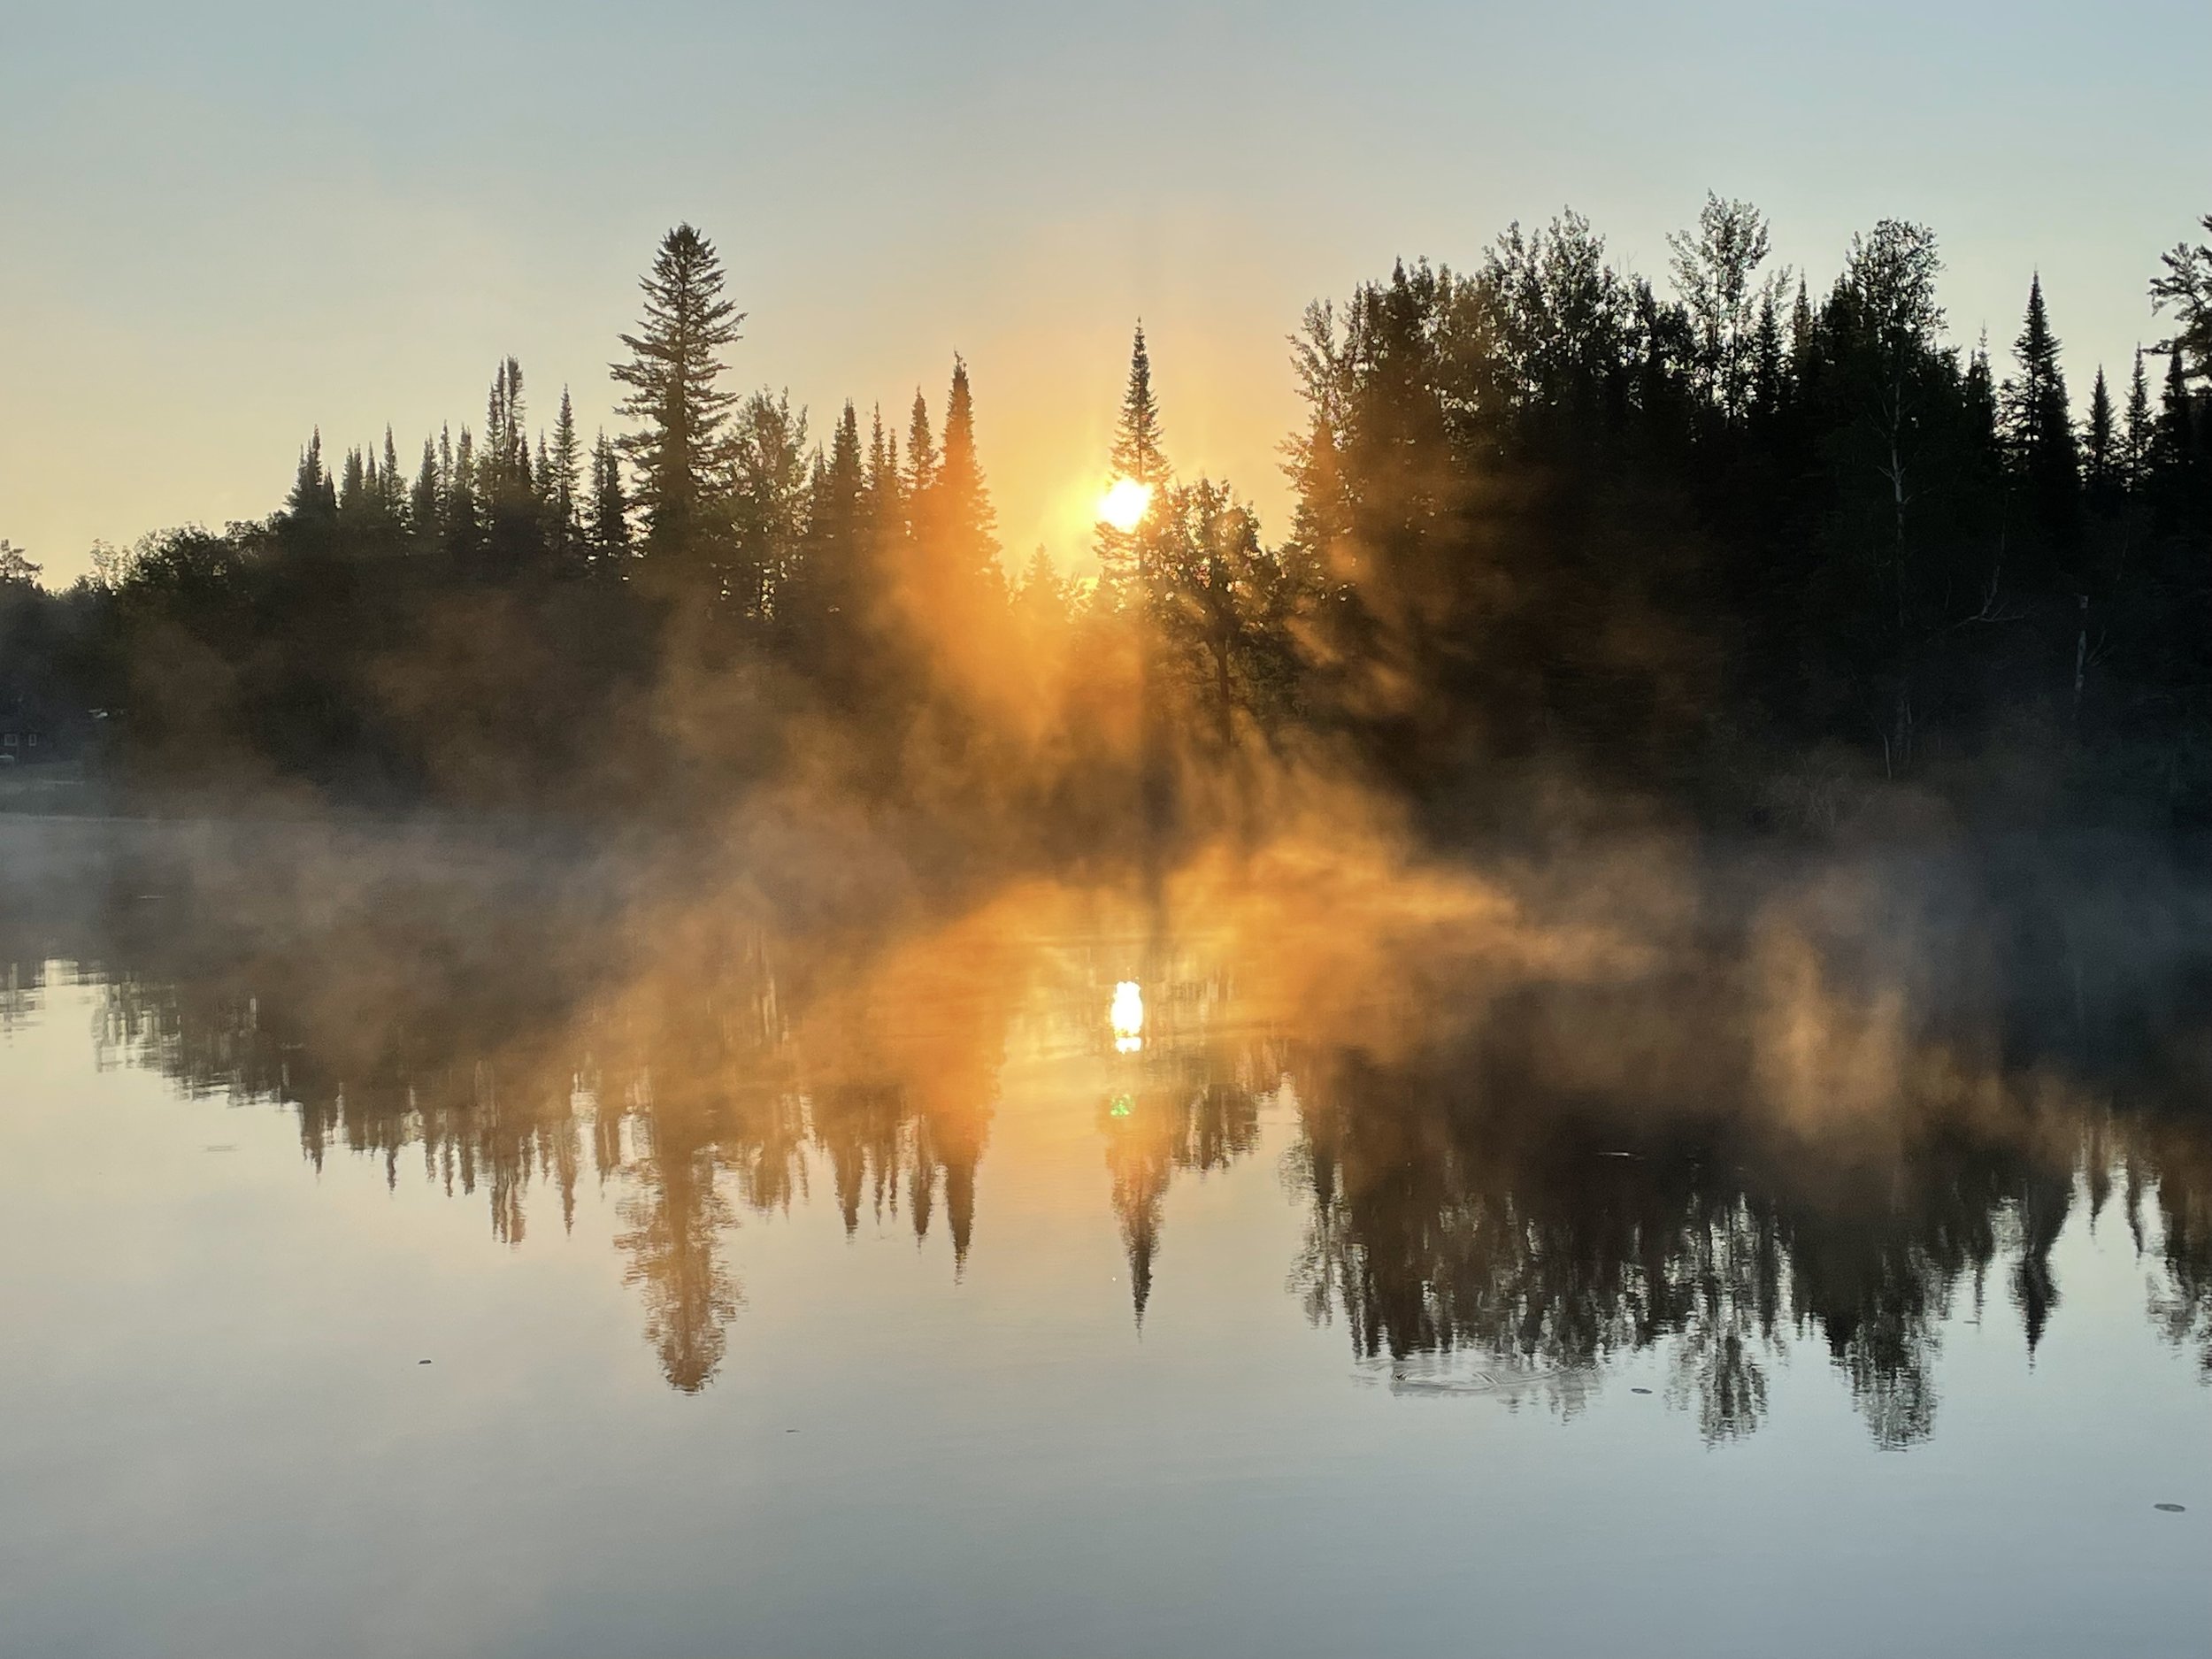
1716, 1131
1433, 1231
1187, 1099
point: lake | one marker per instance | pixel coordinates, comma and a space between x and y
429, 1241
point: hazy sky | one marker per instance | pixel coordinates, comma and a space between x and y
223, 223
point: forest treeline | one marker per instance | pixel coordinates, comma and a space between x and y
1744, 541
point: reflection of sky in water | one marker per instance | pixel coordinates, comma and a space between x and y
1404, 1232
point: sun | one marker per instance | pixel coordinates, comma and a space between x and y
1122, 506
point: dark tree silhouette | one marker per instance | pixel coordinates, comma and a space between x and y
683, 450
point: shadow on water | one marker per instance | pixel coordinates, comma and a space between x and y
1545, 1116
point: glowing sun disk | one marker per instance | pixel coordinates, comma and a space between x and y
1122, 506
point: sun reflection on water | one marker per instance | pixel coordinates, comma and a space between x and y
1127, 1017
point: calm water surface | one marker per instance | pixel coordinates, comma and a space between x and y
417, 1247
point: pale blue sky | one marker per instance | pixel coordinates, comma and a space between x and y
223, 223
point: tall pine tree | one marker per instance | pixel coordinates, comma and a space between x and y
558, 478
827, 591
314, 497
2137, 429
425, 504
681, 452
967, 550
608, 530
2037, 423
2103, 464
463, 507
921, 458
1140, 456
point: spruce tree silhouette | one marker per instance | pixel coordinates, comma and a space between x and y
682, 449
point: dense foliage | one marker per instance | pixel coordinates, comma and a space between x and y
1713, 545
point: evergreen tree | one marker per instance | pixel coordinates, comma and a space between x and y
424, 517
1138, 453
682, 451
1770, 365
2174, 439
502, 459
1538, 510
1984, 418
2179, 480
921, 456
463, 507
394, 483
610, 528
314, 499
1802, 343
506, 489
832, 578
1321, 515
558, 477
355, 484
2103, 464
2138, 432
967, 550
887, 496
2037, 423
1040, 595
1138, 456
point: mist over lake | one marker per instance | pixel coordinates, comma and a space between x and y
986, 831
412, 1205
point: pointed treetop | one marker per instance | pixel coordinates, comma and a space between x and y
883, 463
921, 449
957, 467
314, 493
959, 408
1138, 453
2035, 346
2038, 420
2104, 462
2174, 428
2137, 432
683, 445
2100, 400
964, 514
844, 457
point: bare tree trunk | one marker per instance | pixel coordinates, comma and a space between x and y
2081, 661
